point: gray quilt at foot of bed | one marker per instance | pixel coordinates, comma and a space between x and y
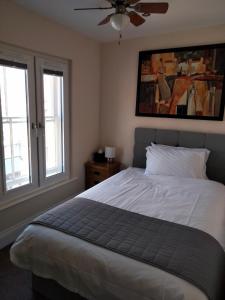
188, 253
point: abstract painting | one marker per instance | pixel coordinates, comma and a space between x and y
185, 83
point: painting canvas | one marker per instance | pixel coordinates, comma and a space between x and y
182, 83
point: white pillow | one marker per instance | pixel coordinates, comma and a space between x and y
175, 161
202, 150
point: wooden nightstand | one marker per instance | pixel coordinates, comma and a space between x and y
97, 172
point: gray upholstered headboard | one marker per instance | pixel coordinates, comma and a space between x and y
214, 142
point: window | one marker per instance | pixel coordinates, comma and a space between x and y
53, 116
33, 125
15, 124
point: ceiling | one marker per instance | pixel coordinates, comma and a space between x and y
182, 15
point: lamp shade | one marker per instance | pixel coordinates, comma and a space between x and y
110, 152
119, 21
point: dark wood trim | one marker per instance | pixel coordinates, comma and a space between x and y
54, 73
13, 64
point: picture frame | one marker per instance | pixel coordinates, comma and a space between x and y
183, 83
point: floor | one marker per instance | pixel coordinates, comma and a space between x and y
15, 284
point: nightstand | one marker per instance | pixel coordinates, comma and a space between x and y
97, 172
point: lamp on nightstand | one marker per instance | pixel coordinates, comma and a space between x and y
110, 153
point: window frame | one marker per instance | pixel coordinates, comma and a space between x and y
27, 59
1, 154
43, 63
35, 62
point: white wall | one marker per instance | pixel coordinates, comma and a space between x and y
29, 30
118, 67
119, 83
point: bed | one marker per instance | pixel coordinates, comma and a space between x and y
66, 265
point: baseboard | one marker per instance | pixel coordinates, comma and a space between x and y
9, 235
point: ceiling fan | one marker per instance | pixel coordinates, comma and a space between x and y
129, 11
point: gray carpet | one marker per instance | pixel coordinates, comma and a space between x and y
15, 284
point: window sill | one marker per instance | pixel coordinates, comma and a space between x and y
12, 202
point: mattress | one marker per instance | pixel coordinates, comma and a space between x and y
97, 273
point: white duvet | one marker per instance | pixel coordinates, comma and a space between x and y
99, 274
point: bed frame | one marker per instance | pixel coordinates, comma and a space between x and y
143, 138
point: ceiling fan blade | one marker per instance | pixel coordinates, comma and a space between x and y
135, 19
92, 8
131, 2
151, 8
106, 20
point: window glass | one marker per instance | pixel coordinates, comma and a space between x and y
53, 120
14, 110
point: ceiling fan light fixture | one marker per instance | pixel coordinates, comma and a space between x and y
119, 21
